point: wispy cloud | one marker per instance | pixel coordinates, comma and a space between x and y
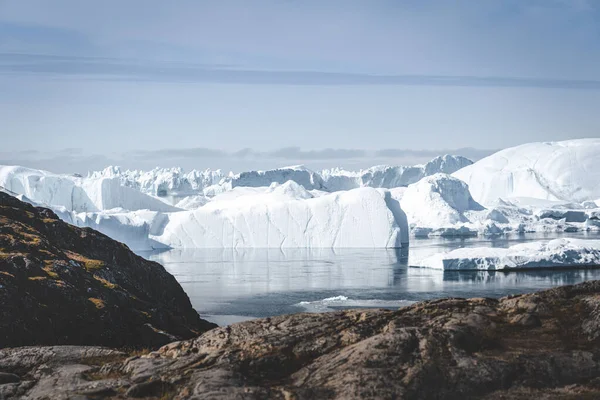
92, 68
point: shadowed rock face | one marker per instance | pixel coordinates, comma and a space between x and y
60, 284
543, 345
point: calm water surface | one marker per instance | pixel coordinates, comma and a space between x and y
226, 286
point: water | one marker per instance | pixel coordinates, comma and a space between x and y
227, 286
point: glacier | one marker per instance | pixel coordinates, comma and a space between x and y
557, 253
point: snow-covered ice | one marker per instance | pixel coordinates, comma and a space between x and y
567, 171
558, 253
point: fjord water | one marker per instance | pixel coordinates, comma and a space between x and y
231, 285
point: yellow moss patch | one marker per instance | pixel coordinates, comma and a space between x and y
105, 283
37, 278
9, 254
97, 302
48, 253
88, 263
50, 272
92, 265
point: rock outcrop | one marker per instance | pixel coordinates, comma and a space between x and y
544, 345
60, 284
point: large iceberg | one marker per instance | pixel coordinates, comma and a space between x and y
567, 171
558, 253
289, 217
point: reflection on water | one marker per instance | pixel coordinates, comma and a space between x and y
264, 282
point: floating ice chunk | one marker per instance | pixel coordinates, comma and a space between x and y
558, 253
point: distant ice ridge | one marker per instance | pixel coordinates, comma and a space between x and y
385, 176
298, 173
191, 190
163, 182
558, 253
566, 171
75, 193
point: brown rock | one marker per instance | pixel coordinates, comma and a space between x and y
60, 284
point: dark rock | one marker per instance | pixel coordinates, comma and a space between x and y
60, 284
151, 388
543, 345
8, 378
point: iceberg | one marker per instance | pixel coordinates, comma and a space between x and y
75, 193
558, 253
438, 205
567, 171
299, 174
285, 217
385, 176
163, 182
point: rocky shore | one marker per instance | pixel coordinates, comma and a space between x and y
543, 345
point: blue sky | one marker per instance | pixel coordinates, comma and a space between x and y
242, 85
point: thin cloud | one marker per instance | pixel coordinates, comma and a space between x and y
195, 152
91, 68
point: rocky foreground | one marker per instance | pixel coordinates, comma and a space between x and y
60, 284
544, 345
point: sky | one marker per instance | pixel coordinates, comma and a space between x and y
239, 85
